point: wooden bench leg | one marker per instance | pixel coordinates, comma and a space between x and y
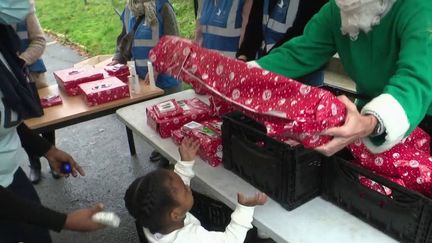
131, 141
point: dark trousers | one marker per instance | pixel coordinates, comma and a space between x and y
11, 232
35, 160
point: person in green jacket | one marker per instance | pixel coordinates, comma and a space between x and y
385, 46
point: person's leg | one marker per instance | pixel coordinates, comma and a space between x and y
172, 90
35, 169
50, 136
17, 232
35, 174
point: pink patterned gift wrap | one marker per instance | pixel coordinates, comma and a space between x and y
69, 79
286, 107
104, 91
209, 135
51, 100
120, 71
186, 111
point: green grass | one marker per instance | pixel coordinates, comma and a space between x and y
95, 26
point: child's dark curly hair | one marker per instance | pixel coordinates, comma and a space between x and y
149, 200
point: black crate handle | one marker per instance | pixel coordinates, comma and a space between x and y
248, 135
396, 188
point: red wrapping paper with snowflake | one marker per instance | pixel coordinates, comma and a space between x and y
69, 79
408, 163
104, 91
286, 107
170, 115
208, 133
120, 71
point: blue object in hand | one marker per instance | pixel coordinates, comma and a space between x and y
66, 168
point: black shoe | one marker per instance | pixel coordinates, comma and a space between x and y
155, 156
55, 175
35, 175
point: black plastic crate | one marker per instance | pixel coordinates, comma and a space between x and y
289, 175
406, 216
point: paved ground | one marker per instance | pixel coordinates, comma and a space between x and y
99, 145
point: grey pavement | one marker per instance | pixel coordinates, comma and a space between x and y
101, 147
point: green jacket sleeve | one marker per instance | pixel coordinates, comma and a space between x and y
411, 85
307, 53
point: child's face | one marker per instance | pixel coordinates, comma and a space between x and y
181, 193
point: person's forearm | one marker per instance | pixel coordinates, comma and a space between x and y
170, 22
185, 170
253, 35
32, 143
117, 56
16, 209
37, 41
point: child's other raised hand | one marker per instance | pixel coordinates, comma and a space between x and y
258, 199
188, 149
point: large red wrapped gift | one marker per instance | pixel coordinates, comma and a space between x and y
69, 79
103, 91
120, 71
209, 135
286, 107
408, 163
190, 110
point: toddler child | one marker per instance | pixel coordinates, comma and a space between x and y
161, 200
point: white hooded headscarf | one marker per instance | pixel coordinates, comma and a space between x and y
361, 15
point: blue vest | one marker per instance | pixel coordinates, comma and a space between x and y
21, 30
221, 23
146, 37
277, 21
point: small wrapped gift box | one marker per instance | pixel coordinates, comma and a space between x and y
209, 137
50, 100
177, 136
120, 71
191, 110
69, 79
169, 108
104, 91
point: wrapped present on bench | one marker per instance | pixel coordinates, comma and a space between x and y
104, 91
69, 79
209, 134
120, 71
51, 100
170, 115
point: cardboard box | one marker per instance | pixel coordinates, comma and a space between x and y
96, 61
104, 91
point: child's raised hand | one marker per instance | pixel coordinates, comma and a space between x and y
259, 199
188, 149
